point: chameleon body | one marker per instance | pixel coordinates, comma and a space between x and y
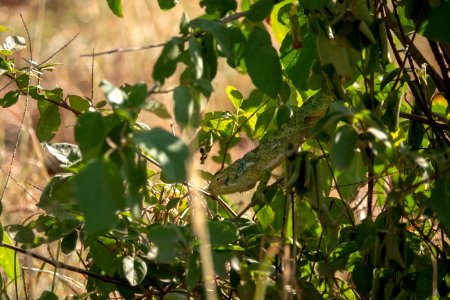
244, 173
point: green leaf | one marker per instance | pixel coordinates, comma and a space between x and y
105, 253
230, 40
99, 188
343, 147
436, 25
22, 234
157, 108
171, 152
10, 99
222, 233
167, 4
49, 121
116, 7
184, 105
137, 95
46, 295
134, 269
362, 278
56, 95
166, 64
168, 243
263, 63
195, 53
90, 132
313, 5
347, 180
8, 259
440, 202
78, 103
220, 8
69, 242
235, 96
57, 199
260, 10
392, 111
298, 62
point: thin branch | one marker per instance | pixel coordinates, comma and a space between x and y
59, 50
60, 265
122, 50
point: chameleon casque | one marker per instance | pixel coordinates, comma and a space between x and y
244, 173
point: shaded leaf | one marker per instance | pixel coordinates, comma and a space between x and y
436, 25
99, 188
157, 108
79, 103
171, 152
263, 63
166, 64
440, 202
218, 7
49, 121
222, 233
260, 10
167, 4
343, 147
47, 295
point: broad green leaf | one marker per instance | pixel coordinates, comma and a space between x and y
235, 96
184, 105
99, 188
47, 295
57, 199
435, 26
167, 243
49, 121
8, 259
440, 202
392, 111
230, 40
22, 234
263, 63
137, 95
23, 81
134, 269
105, 252
220, 8
260, 10
263, 122
56, 95
167, 4
69, 242
166, 64
171, 152
116, 7
350, 179
313, 5
283, 114
362, 278
343, 147
195, 53
222, 233
157, 108
79, 103
90, 132
10, 99
297, 62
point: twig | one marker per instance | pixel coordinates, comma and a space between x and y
121, 50
60, 265
22, 121
59, 50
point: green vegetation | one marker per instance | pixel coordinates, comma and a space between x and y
361, 211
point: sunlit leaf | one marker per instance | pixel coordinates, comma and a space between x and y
116, 7
134, 269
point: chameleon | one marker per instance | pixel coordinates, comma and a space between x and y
243, 174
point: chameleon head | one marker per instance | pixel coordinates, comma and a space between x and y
225, 182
